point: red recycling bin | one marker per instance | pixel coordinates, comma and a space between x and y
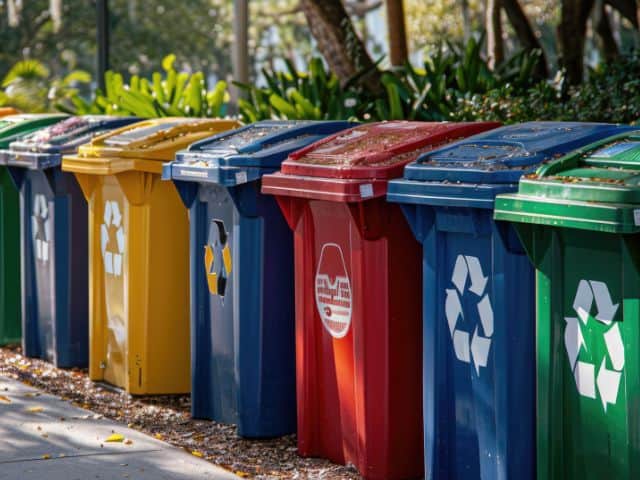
358, 295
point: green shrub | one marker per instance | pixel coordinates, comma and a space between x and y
165, 94
30, 87
434, 92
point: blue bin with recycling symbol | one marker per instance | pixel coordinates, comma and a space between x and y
242, 295
479, 298
54, 239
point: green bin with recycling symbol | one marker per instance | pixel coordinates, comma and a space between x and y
579, 220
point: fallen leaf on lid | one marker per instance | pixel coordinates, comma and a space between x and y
196, 453
116, 437
4, 399
35, 409
46, 456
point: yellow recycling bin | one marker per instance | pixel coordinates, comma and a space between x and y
139, 254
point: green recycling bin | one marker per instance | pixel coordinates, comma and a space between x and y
579, 220
13, 127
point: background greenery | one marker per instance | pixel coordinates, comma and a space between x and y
47, 66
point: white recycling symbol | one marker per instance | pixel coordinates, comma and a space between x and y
470, 347
41, 227
111, 230
607, 381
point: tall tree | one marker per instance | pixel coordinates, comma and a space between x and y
571, 35
397, 32
466, 18
495, 45
339, 42
605, 40
627, 8
526, 36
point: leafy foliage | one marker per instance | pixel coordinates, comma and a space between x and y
29, 86
611, 93
433, 92
292, 94
165, 94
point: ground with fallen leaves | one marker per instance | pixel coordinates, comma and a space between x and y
167, 418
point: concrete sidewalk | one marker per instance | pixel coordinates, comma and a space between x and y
44, 437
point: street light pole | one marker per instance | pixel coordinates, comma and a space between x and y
102, 40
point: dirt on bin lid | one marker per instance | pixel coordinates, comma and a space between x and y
167, 418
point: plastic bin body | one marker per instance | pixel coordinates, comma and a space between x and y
478, 299
578, 219
242, 321
13, 127
138, 248
54, 240
357, 269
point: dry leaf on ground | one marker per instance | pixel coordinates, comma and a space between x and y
116, 437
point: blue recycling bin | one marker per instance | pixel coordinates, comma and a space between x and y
242, 295
479, 298
54, 239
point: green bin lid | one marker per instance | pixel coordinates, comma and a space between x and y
594, 188
13, 127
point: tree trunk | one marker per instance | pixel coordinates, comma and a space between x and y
571, 37
526, 36
398, 52
339, 43
627, 8
495, 45
466, 19
606, 43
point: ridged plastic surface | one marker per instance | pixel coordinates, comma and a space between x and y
242, 287
139, 256
595, 188
55, 316
479, 329
578, 218
13, 127
55, 296
478, 346
358, 335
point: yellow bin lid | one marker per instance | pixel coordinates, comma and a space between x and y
142, 146
4, 111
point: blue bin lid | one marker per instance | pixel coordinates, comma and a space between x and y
471, 172
245, 154
46, 147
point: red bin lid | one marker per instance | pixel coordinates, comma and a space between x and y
367, 154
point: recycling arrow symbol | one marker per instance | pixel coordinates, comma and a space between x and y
41, 227
112, 239
468, 277
217, 258
607, 381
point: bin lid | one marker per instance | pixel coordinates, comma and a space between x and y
356, 164
142, 146
594, 188
245, 154
4, 111
13, 127
473, 171
45, 147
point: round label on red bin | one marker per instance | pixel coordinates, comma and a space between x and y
333, 291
